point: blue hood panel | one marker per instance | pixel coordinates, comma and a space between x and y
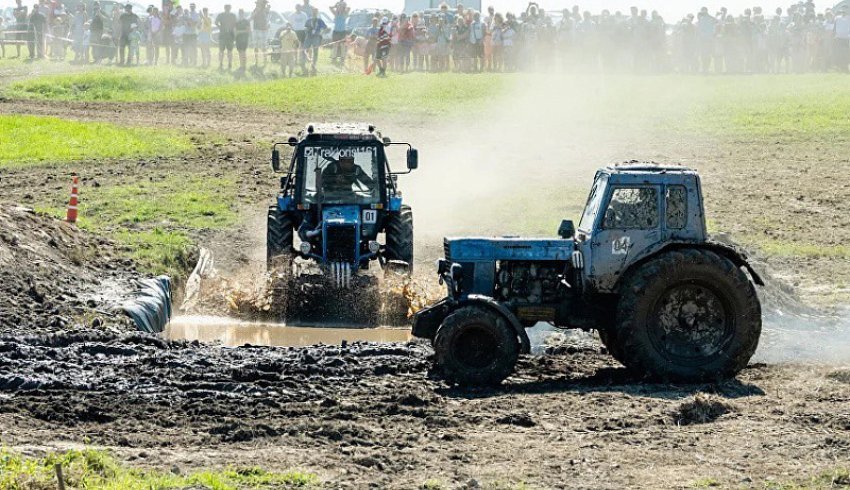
507, 248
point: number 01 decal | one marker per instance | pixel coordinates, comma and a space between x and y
370, 216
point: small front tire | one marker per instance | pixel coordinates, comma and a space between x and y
476, 347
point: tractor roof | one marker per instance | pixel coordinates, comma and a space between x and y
636, 167
341, 131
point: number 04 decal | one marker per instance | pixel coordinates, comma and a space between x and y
370, 216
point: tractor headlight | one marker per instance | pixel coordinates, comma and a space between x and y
374, 246
306, 248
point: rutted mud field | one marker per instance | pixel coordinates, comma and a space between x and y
366, 414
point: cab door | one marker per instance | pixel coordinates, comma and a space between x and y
628, 224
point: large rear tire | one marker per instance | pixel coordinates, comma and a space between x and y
476, 347
687, 315
279, 240
399, 230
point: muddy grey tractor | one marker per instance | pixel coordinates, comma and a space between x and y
667, 301
338, 197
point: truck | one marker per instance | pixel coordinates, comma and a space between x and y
667, 301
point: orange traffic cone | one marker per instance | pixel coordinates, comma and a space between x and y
71, 216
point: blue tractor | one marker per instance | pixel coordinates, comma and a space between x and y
667, 301
338, 197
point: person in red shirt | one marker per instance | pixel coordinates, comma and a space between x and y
382, 51
406, 40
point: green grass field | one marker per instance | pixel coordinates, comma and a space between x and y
155, 220
35, 140
742, 105
97, 470
341, 93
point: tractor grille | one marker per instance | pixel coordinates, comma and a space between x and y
341, 243
447, 249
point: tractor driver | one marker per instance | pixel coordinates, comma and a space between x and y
340, 177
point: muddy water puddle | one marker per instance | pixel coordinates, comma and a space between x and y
231, 332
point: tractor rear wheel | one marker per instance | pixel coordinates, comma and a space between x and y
687, 315
476, 347
399, 230
279, 240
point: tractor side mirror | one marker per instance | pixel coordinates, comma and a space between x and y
567, 229
292, 141
412, 159
387, 141
276, 160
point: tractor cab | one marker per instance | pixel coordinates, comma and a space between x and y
633, 211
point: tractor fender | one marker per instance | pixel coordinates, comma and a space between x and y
734, 254
427, 321
496, 307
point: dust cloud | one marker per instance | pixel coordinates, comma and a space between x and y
526, 159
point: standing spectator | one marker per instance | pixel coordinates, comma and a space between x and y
299, 25
37, 24
95, 28
689, 56
260, 37
191, 19
78, 32
442, 45
155, 29
371, 44
134, 38
477, 32
205, 37
340, 11
126, 20
383, 47
841, 40
2, 39
706, 32
242, 31
115, 29
508, 39
289, 48
460, 42
21, 25
226, 23
406, 40
315, 28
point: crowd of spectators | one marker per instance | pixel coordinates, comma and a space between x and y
798, 38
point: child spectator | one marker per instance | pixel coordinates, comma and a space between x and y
134, 38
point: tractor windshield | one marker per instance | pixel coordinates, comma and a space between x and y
591, 208
341, 175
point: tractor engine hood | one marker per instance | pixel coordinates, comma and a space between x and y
507, 248
341, 215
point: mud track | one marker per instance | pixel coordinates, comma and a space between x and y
367, 413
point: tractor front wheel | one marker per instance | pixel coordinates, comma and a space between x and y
687, 315
399, 230
279, 241
476, 347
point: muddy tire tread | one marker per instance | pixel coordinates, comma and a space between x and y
632, 344
399, 230
454, 371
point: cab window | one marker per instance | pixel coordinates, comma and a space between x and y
677, 207
632, 208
